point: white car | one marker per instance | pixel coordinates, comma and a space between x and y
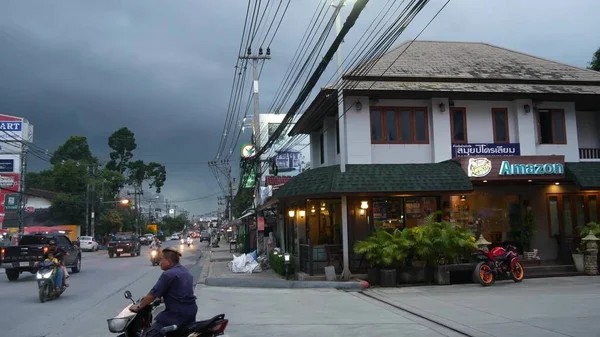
174, 237
88, 243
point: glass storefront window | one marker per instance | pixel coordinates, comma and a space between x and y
323, 222
402, 212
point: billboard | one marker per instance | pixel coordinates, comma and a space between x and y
10, 163
9, 193
14, 131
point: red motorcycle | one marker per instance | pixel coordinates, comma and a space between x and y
498, 262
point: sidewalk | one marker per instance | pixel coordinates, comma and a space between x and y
216, 273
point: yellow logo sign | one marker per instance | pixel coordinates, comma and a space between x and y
479, 167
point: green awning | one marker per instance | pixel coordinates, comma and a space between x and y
586, 175
447, 176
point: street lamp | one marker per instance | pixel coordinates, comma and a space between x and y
286, 260
124, 201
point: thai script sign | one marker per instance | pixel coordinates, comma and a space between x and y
486, 150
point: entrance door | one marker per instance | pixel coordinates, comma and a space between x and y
566, 212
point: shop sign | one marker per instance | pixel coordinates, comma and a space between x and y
486, 150
532, 167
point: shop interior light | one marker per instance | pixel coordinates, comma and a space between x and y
485, 181
557, 183
361, 211
302, 213
291, 213
364, 204
463, 197
313, 210
529, 180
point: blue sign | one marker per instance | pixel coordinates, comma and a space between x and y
7, 165
10, 126
486, 149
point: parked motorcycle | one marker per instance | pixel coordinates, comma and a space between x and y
154, 257
498, 262
46, 279
130, 324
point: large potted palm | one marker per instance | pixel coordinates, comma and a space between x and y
371, 249
589, 228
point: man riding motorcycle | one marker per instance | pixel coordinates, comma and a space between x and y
176, 289
155, 244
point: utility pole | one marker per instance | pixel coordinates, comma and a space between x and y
94, 203
257, 140
87, 203
22, 195
136, 199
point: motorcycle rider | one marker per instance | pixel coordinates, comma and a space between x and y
176, 289
61, 272
155, 244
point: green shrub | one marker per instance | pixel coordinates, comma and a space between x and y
277, 263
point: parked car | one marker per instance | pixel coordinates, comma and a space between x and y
124, 243
88, 243
204, 236
144, 240
31, 248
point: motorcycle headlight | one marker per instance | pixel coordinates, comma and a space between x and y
40, 276
153, 253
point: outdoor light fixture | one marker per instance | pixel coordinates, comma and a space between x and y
313, 210
286, 258
125, 201
361, 212
286, 261
291, 213
485, 181
557, 183
527, 108
323, 206
442, 107
463, 197
364, 204
302, 213
529, 180
358, 105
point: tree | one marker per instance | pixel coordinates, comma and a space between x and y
174, 224
71, 177
595, 64
108, 183
242, 200
112, 221
43, 180
153, 173
122, 142
75, 148
69, 208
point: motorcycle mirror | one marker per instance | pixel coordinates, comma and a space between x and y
127, 294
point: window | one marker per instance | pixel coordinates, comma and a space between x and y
322, 148
337, 135
399, 126
458, 123
551, 126
500, 123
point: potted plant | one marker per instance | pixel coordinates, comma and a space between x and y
371, 250
417, 246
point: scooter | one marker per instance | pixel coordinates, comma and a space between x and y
190, 241
130, 324
46, 280
154, 257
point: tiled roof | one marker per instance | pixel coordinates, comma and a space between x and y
277, 180
469, 60
586, 175
446, 176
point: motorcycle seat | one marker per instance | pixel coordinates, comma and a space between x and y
193, 327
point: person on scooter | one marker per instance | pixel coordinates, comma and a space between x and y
155, 244
176, 289
59, 254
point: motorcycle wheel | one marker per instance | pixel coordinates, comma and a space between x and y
517, 273
484, 274
43, 291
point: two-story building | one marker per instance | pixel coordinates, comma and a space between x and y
482, 133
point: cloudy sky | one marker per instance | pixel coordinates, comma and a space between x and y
164, 68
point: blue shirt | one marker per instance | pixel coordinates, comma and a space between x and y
176, 286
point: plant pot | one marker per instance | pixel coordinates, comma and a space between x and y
578, 260
388, 277
411, 275
373, 276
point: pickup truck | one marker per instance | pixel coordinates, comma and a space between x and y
31, 248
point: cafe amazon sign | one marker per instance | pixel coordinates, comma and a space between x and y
504, 168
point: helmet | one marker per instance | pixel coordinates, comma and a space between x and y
52, 243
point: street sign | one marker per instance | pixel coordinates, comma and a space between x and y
248, 151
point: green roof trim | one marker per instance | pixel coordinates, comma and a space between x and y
447, 176
586, 175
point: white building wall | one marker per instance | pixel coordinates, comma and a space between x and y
588, 129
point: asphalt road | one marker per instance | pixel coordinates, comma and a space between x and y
95, 294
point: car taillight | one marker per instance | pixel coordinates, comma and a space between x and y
89, 243
219, 328
45, 249
2, 251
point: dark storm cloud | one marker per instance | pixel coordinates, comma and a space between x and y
163, 68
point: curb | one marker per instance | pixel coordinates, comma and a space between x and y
280, 284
